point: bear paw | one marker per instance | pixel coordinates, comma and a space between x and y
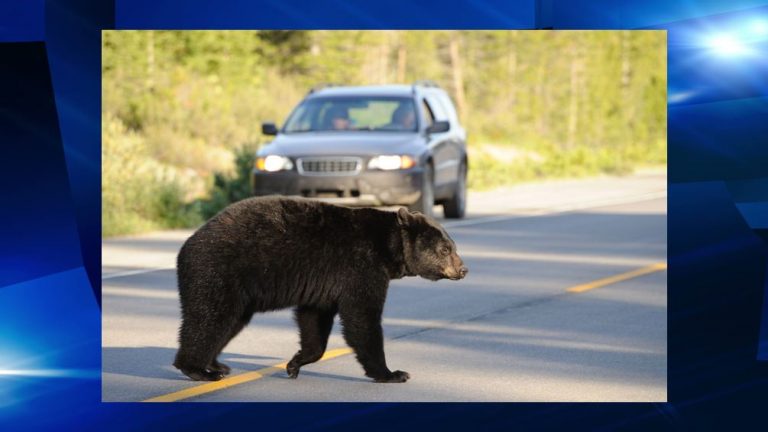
395, 377
293, 370
203, 375
220, 367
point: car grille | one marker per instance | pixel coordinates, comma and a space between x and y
329, 166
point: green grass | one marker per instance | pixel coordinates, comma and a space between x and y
144, 206
488, 171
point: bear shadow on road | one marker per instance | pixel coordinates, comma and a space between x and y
324, 375
157, 362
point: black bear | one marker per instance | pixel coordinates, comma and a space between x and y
270, 253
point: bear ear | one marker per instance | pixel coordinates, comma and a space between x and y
403, 216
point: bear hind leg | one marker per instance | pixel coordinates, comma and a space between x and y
315, 326
217, 366
201, 338
192, 363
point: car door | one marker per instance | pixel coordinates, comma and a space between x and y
446, 151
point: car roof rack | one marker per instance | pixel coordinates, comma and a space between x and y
322, 86
425, 83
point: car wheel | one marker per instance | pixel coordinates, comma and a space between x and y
427, 199
455, 207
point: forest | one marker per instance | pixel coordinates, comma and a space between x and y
182, 110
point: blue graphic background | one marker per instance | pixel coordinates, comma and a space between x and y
50, 227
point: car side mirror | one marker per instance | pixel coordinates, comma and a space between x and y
438, 127
268, 128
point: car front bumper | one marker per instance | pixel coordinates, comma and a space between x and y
367, 188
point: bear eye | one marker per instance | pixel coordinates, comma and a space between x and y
445, 251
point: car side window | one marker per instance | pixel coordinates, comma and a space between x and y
438, 112
428, 112
449, 107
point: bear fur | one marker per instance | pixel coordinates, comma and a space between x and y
269, 253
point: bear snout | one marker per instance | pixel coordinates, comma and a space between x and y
457, 268
454, 273
463, 272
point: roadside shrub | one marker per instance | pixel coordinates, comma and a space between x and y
229, 188
138, 193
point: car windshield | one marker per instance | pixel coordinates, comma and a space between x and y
396, 114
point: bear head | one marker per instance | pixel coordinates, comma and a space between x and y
428, 250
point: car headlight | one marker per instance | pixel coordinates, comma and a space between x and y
273, 163
393, 162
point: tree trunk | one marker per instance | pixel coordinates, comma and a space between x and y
384, 59
626, 77
573, 109
511, 85
627, 102
537, 101
402, 58
458, 79
150, 82
626, 66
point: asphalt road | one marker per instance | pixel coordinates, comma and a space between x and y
510, 331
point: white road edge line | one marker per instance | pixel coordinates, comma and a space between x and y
478, 221
135, 272
140, 293
561, 209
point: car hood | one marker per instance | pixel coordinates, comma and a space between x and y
344, 143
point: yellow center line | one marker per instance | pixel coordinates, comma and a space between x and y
236, 379
618, 278
261, 373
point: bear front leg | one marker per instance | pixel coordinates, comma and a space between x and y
362, 331
314, 328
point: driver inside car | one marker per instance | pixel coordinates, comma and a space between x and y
339, 118
403, 118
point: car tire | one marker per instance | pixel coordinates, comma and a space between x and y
426, 200
455, 207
